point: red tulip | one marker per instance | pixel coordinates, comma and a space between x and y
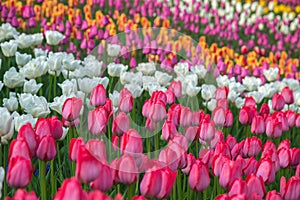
19, 147
199, 178
258, 125
71, 108
244, 49
121, 124
98, 96
273, 195
19, 172
105, 180
127, 170
168, 130
46, 150
255, 185
238, 186
87, 166
126, 101
70, 189
229, 171
97, 121
55, 127
288, 96
22, 194
266, 170
278, 102
290, 190
131, 143
27, 132
138, 198
97, 148
75, 144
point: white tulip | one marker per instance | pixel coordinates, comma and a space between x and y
35, 68
37, 39
54, 37
163, 78
23, 119
9, 49
136, 90
7, 122
211, 105
24, 41
192, 90
251, 83
34, 105
86, 85
71, 65
208, 91
68, 87
155, 87
113, 50
2, 175
22, 59
147, 69
232, 96
181, 69
13, 79
11, 103
291, 83
115, 70
92, 67
239, 102
40, 52
115, 97
31, 86
237, 87
63, 136
57, 103
1, 85
7, 31
222, 81
258, 96
130, 77
200, 70
150, 81
268, 90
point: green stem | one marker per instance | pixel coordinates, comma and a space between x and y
43, 180
205, 194
179, 185
54, 85
156, 143
53, 178
50, 87
148, 143
130, 191
5, 151
59, 161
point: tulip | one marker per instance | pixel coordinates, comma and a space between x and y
97, 121
157, 111
278, 102
27, 132
87, 167
127, 170
252, 147
238, 186
71, 109
19, 147
258, 125
176, 87
273, 128
98, 96
191, 133
167, 183
290, 190
97, 148
256, 185
185, 116
295, 156
121, 124
104, 181
96, 194
217, 164
264, 110
148, 186
266, 170
131, 143
284, 157
70, 189
54, 37
19, 172
207, 129
250, 101
246, 115
199, 178
126, 101
273, 195
287, 95
168, 130
229, 171
23, 194
75, 144
55, 127
46, 149
218, 116
222, 93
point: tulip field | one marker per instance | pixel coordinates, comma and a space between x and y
150, 99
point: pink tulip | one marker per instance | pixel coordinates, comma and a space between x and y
176, 87
70, 189
75, 144
258, 125
55, 127
105, 180
71, 108
207, 129
169, 130
273, 195
96, 194
19, 172
121, 124
278, 102
295, 156
284, 157
127, 170
42, 127
266, 170
287, 95
46, 149
157, 111
167, 183
273, 128
217, 164
19, 147
131, 143
126, 101
98, 96
26, 132
222, 93
238, 186
97, 148
199, 178
246, 114
250, 166
229, 171
290, 190
97, 121
252, 147
148, 186
23, 194
255, 185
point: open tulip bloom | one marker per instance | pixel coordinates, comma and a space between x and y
149, 100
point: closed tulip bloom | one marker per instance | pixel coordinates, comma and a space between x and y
148, 185
222, 148
291, 118
131, 143
222, 93
127, 170
250, 166
104, 181
23, 194
217, 164
256, 185
264, 110
290, 190
19, 147
231, 141
252, 147
288, 95
207, 130
168, 130
278, 102
273, 128
283, 119
75, 144
199, 178
238, 186
250, 101
218, 116
42, 127
176, 87
126, 101
167, 182
174, 114
121, 124
273, 195
56, 127
266, 170
190, 160
97, 148
71, 108
295, 156
284, 157
191, 133
70, 189
298, 171
27, 132
98, 96
96, 194
19, 172
97, 121
46, 149
297, 120
157, 111
87, 166
246, 115
185, 116
258, 125
229, 172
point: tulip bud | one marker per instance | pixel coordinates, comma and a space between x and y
75, 144
98, 96
126, 101
19, 147
290, 189
238, 186
70, 189
127, 170
287, 95
169, 130
46, 150
199, 178
256, 185
131, 143
229, 172
105, 180
258, 125
27, 132
22, 194
19, 172
273, 195
71, 108
97, 121
121, 124
278, 102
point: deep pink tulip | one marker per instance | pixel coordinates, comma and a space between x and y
97, 121
70, 189
218, 116
139, 198
131, 143
126, 101
121, 124
250, 166
23, 194
185, 116
174, 114
42, 127
157, 111
246, 114
199, 178
250, 101
266, 170
105, 180
19, 147
229, 172
127, 170
238, 186
169, 130
288, 96
148, 186
207, 129
75, 144
71, 108
87, 166
231, 141
222, 148
97, 148
284, 157
98, 96
290, 190
56, 127
27, 132
291, 118
278, 102
273, 127
167, 182
19, 172
46, 149
197, 117
96, 194
190, 160
252, 147
255, 185
217, 163
298, 171
264, 110
295, 156
258, 125
170, 97
273, 195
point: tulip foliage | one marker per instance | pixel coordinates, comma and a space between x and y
149, 99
